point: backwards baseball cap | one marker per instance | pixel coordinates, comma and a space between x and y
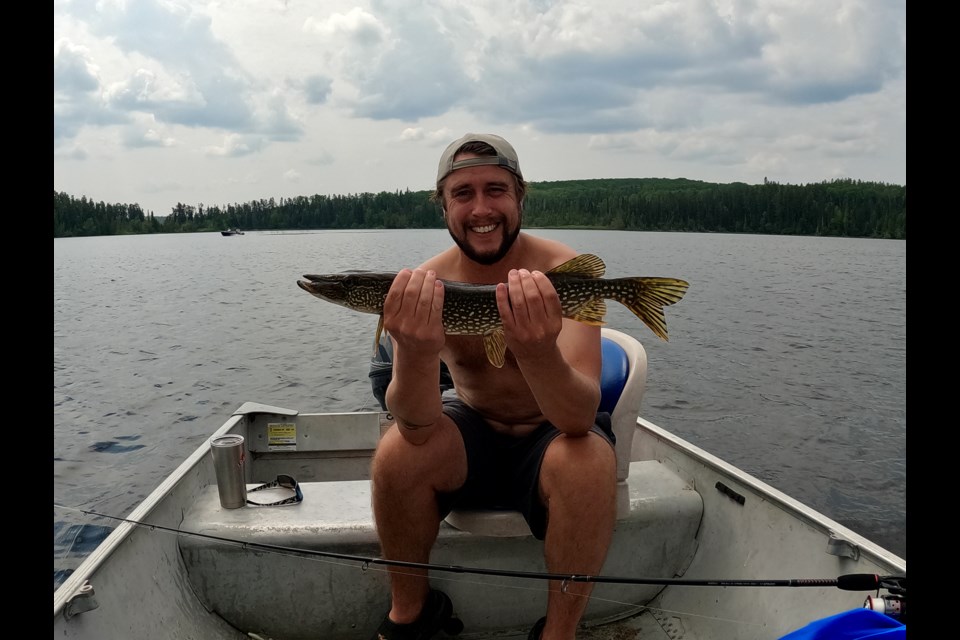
506, 155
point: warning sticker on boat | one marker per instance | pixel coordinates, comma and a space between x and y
281, 436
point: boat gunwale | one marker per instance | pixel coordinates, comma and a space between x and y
803, 512
73, 584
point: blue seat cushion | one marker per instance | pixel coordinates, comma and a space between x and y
613, 374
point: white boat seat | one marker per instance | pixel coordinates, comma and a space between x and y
623, 380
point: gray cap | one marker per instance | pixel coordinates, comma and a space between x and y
506, 155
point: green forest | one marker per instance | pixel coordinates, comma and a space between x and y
847, 208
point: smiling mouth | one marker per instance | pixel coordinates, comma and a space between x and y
487, 228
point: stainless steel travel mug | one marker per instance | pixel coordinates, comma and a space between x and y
228, 461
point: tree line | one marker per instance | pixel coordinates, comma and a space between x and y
847, 208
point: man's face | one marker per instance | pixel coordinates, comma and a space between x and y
482, 213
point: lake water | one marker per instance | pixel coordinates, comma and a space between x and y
787, 357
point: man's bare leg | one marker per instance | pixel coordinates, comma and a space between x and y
578, 481
405, 479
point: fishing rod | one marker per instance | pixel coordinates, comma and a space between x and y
850, 582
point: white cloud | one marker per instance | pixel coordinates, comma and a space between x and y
235, 145
356, 27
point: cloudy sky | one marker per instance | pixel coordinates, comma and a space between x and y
225, 101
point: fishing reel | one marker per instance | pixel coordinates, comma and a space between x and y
893, 604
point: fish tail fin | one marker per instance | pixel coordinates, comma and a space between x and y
646, 298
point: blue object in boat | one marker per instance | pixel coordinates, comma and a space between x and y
858, 624
613, 374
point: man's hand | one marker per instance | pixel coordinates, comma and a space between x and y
561, 369
531, 313
413, 313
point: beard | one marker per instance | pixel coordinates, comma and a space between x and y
509, 236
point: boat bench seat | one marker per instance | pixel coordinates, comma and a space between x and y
655, 539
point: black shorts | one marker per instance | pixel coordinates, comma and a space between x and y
503, 471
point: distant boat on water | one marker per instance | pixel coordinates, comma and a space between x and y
231, 232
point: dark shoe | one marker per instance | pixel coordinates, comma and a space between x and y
437, 615
537, 630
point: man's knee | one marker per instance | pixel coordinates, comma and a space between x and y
440, 462
584, 467
591, 452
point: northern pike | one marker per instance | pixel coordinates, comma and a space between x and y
471, 309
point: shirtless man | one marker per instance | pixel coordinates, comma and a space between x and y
443, 453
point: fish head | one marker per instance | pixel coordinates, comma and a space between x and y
358, 290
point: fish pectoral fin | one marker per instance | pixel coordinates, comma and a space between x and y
592, 313
376, 338
496, 346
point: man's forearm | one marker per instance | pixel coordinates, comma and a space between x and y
567, 397
413, 397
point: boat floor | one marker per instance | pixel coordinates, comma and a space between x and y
643, 626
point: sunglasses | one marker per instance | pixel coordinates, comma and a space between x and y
283, 481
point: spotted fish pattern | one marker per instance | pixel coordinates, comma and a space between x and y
471, 309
